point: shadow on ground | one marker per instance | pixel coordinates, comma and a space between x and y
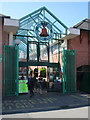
45, 102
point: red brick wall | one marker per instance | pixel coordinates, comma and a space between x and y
80, 45
5, 38
54, 58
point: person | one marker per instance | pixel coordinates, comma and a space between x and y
35, 83
31, 84
40, 80
22, 77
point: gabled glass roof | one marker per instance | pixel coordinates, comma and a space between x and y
28, 23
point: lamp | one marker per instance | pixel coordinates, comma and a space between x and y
17, 41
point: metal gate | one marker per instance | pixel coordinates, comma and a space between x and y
10, 83
69, 71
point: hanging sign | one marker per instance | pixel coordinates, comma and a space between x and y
42, 26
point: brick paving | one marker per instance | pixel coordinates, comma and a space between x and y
45, 102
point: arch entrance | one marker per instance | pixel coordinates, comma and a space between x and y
40, 33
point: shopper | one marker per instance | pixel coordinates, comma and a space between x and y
22, 77
40, 82
31, 83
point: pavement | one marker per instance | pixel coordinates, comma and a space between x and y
81, 112
48, 101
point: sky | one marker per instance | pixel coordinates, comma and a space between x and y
70, 13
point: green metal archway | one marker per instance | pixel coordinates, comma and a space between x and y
26, 33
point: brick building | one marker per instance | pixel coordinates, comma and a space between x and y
77, 39
81, 45
8, 27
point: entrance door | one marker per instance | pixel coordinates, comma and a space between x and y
10, 83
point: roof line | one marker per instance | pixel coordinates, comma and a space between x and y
56, 18
44, 8
31, 13
78, 24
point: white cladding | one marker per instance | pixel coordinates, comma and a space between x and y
11, 22
74, 31
11, 25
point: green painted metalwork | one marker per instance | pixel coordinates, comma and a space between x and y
69, 71
10, 71
56, 18
38, 51
0, 58
60, 35
58, 52
4, 70
33, 19
28, 20
17, 72
27, 26
26, 29
32, 63
48, 52
32, 13
52, 24
44, 15
66, 31
27, 50
25, 36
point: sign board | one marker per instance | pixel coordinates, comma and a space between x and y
23, 87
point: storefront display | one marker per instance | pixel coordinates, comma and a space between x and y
23, 87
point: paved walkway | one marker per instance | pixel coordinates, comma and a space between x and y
46, 102
81, 112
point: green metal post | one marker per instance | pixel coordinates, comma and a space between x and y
43, 14
48, 53
38, 51
60, 35
63, 71
65, 31
58, 51
27, 50
4, 70
17, 81
59, 56
27, 54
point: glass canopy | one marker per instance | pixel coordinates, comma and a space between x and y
27, 33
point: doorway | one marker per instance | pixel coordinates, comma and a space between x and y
50, 76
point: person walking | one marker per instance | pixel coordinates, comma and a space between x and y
31, 83
40, 82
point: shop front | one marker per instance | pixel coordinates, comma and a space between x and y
38, 46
